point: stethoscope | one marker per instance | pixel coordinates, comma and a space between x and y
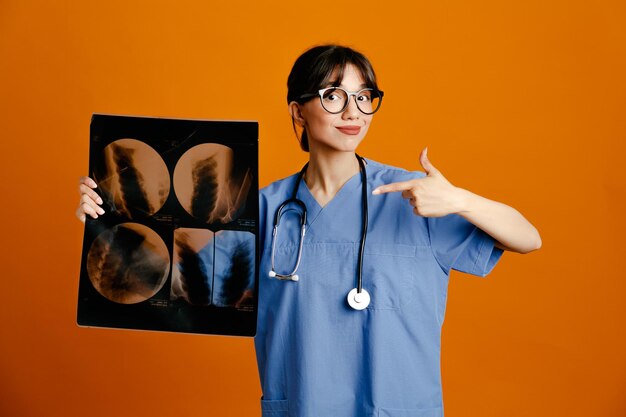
358, 298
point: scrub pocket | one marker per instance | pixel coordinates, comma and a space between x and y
274, 408
388, 274
417, 412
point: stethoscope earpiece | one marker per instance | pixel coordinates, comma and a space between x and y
288, 277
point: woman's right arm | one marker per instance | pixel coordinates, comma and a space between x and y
89, 200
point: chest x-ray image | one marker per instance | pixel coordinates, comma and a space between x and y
214, 268
133, 178
128, 263
177, 247
207, 185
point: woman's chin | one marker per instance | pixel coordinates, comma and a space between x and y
343, 145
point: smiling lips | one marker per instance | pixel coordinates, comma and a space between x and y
349, 130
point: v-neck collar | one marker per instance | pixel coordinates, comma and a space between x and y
313, 207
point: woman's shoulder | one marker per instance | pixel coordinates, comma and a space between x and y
384, 173
279, 187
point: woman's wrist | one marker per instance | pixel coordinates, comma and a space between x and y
464, 201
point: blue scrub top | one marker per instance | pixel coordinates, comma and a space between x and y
319, 357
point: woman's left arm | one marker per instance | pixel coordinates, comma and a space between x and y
435, 196
506, 225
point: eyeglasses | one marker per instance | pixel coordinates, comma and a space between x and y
335, 99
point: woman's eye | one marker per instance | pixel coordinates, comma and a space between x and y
332, 97
363, 97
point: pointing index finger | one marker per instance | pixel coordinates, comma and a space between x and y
393, 187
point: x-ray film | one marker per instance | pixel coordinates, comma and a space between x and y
177, 247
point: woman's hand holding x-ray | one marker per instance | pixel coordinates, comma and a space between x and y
89, 200
430, 196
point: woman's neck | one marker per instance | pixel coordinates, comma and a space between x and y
328, 172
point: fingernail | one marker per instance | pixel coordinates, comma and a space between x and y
99, 200
100, 210
376, 191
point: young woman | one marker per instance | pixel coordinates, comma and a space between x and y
350, 311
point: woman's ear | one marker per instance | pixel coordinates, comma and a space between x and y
296, 113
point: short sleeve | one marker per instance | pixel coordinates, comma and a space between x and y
458, 244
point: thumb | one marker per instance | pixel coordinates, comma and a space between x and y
428, 167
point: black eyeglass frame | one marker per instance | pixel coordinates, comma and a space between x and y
321, 92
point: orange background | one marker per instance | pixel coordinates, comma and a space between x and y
523, 103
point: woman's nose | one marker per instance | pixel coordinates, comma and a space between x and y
352, 111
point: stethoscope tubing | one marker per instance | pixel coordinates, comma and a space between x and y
292, 275
364, 221
294, 200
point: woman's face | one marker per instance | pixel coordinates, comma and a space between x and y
342, 131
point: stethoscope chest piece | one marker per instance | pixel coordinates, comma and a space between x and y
358, 300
